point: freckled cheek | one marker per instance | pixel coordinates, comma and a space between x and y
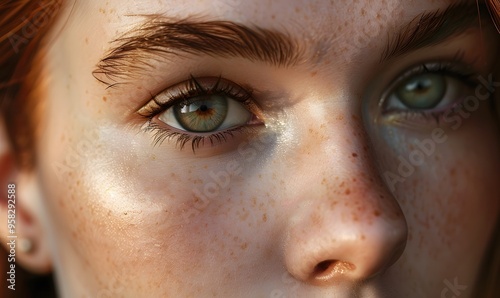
126, 196
449, 193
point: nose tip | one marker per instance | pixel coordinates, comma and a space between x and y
354, 253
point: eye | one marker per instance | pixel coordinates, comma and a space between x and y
206, 113
201, 109
423, 91
428, 89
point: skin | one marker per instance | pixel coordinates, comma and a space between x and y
122, 217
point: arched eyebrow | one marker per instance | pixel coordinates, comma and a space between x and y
431, 28
163, 38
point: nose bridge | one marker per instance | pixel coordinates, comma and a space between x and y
346, 224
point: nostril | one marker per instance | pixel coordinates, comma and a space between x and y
322, 267
326, 270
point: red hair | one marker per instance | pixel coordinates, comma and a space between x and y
23, 26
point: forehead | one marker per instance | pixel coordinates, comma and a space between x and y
301, 17
333, 28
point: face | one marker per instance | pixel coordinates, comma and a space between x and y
277, 149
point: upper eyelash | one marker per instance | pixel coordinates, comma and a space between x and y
192, 88
449, 67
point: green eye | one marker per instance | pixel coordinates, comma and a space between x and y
202, 113
424, 91
206, 114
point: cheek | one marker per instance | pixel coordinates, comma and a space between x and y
122, 206
449, 194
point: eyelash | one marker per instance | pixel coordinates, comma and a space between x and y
185, 92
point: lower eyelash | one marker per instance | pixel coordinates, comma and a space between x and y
160, 134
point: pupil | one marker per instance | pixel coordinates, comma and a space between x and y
424, 85
203, 108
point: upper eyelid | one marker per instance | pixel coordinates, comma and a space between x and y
193, 87
204, 85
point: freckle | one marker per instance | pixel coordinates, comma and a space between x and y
125, 213
376, 213
313, 74
273, 17
363, 237
354, 155
244, 246
104, 98
341, 184
264, 217
348, 191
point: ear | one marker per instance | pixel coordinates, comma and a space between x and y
21, 231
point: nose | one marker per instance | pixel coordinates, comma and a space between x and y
348, 228
352, 239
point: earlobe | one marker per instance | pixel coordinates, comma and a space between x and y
21, 230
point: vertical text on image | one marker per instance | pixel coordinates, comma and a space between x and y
11, 236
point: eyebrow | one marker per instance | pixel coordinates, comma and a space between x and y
163, 38
431, 28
